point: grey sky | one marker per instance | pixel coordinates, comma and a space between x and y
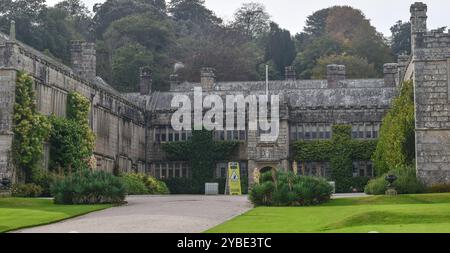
291, 14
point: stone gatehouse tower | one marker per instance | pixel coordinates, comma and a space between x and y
430, 70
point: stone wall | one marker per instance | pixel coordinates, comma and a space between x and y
118, 124
7, 97
431, 54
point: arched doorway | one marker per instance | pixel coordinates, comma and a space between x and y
266, 169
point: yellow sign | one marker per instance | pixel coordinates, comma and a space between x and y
234, 179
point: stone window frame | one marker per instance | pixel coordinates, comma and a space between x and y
311, 132
365, 131
171, 170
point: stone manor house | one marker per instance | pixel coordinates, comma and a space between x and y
130, 128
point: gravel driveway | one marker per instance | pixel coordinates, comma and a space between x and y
155, 214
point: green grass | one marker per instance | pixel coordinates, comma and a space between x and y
427, 213
16, 213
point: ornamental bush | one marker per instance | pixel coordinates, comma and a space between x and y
26, 190
406, 183
134, 185
89, 187
140, 184
288, 189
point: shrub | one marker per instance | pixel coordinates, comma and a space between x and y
439, 188
134, 185
406, 183
143, 184
287, 189
44, 179
87, 187
156, 186
26, 190
183, 186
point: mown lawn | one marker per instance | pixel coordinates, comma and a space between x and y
18, 213
427, 213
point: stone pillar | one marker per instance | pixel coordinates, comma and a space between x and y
83, 57
403, 61
12, 31
7, 99
207, 79
173, 79
289, 73
335, 74
418, 24
252, 166
391, 76
145, 82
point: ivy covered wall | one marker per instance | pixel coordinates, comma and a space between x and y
71, 140
202, 152
340, 152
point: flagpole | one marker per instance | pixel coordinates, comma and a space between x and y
267, 81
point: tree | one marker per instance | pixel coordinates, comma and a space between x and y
126, 62
113, 10
233, 56
396, 145
315, 28
252, 20
122, 41
401, 38
74, 8
307, 59
280, 48
27, 14
356, 67
193, 11
338, 30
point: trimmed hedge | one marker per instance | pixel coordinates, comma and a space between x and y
288, 189
189, 186
88, 187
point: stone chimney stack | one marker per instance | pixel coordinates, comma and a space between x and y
391, 76
12, 31
335, 74
173, 79
145, 83
418, 24
207, 78
289, 73
83, 57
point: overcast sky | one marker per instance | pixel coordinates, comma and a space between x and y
291, 14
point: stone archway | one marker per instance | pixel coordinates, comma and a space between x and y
266, 169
